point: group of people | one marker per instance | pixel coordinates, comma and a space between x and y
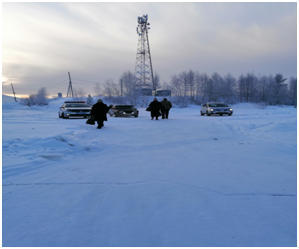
155, 107
99, 110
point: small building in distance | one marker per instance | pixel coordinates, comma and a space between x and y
59, 95
146, 92
164, 93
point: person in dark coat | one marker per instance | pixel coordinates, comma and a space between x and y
155, 108
166, 105
99, 112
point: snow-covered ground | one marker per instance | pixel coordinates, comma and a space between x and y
8, 99
190, 180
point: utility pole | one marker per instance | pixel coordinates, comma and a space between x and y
121, 87
70, 89
13, 92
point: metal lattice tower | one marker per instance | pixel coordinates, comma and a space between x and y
143, 66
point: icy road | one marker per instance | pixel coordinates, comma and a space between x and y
186, 181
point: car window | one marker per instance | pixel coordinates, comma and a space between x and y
120, 107
222, 105
212, 105
76, 105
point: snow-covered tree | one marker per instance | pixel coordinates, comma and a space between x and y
36, 99
40, 97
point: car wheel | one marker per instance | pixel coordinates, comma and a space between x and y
208, 114
135, 116
229, 114
59, 115
201, 113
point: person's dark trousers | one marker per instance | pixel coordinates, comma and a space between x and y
165, 114
100, 123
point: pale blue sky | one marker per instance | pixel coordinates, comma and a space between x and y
98, 41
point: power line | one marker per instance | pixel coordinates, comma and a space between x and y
57, 83
85, 80
44, 86
29, 78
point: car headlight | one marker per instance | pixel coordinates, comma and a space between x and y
231, 109
211, 110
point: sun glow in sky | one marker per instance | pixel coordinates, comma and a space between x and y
42, 42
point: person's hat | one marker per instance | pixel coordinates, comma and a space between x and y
165, 99
100, 101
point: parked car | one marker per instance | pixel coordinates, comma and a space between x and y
216, 108
74, 109
123, 111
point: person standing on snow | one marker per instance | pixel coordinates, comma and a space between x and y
155, 108
166, 106
99, 112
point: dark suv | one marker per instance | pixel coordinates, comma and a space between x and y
123, 111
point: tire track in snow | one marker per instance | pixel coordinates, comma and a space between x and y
147, 182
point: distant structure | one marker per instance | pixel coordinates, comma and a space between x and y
143, 66
146, 92
164, 93
59, 95
70, 89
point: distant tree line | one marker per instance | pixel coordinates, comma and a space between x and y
190, 87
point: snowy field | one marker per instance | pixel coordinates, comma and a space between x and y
187, 181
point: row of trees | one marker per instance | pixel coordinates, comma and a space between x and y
191, 87
196, 88
272, 90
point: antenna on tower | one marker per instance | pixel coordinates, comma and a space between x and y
143, 66
70, 88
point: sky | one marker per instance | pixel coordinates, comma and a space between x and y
95, 42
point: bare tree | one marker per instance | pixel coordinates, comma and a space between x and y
293, 91
98, 90
156, 83
191, 83
229, 88
111, 89
79, 94
131, 88
176, 86
263, 83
